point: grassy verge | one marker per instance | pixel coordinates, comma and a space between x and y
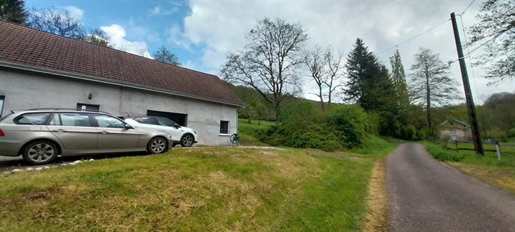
201, 189
248, 131
487, 167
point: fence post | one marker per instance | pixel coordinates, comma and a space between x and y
456, 142
498, 148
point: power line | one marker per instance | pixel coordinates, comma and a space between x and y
467, 7
397, 45
473, 50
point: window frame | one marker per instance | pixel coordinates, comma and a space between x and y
2, 99
82, 113
93, 116
224, 125
79, 107
45, 122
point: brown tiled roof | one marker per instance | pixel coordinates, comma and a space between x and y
33, 48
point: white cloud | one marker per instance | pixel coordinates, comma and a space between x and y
176, 37
75, 12
173, 7
116, 34
220, 27
156, 10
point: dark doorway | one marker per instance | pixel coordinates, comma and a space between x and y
181, 119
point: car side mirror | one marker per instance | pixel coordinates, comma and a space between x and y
177, 126
127, 126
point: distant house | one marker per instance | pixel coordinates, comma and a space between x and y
42, 70
454, 129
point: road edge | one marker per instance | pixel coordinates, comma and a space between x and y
377, 217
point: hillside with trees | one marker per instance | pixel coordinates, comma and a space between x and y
373, 100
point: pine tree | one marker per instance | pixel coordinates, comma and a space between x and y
370, 86
366, 78
13, 11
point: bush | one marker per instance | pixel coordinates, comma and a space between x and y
349, 123
313, 136
409, 133
511, 133
422, 133
441, 153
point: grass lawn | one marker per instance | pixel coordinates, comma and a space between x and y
487, 167
195, 189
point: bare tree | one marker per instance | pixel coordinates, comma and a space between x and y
98, 37
56, 22
268, 61
496, 30
325, 69
166, 56
431, 85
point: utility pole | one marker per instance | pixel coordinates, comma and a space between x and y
478, 147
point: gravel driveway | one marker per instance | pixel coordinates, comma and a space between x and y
427, 195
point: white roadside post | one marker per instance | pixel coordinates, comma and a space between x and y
498, 150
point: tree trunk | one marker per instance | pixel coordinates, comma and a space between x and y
428, 105
277, 110
321, 97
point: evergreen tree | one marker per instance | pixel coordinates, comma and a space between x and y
13, 11
399, 80
370, 86
367, 79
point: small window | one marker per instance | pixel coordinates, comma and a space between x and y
88, 107
2, 98
224, 127
32, 119
108, 121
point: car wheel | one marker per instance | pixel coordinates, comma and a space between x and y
157, 145
40, 152
187, 140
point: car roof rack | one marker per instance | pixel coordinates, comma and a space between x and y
66, 109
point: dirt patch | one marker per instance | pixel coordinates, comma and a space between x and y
495, 177
376, 218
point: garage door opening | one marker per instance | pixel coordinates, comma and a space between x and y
181, 119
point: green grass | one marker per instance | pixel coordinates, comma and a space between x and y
254, 125
505, 147
487, 167
198, 189
249, 131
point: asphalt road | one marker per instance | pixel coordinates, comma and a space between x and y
427, 195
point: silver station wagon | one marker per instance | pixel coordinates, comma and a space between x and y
40, 135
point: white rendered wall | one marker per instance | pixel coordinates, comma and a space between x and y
24, 90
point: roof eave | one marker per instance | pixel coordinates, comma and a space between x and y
97, 79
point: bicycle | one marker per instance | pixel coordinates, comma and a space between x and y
235, 139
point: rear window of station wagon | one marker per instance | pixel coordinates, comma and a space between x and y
32, 118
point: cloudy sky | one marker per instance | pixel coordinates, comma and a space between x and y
201, 32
